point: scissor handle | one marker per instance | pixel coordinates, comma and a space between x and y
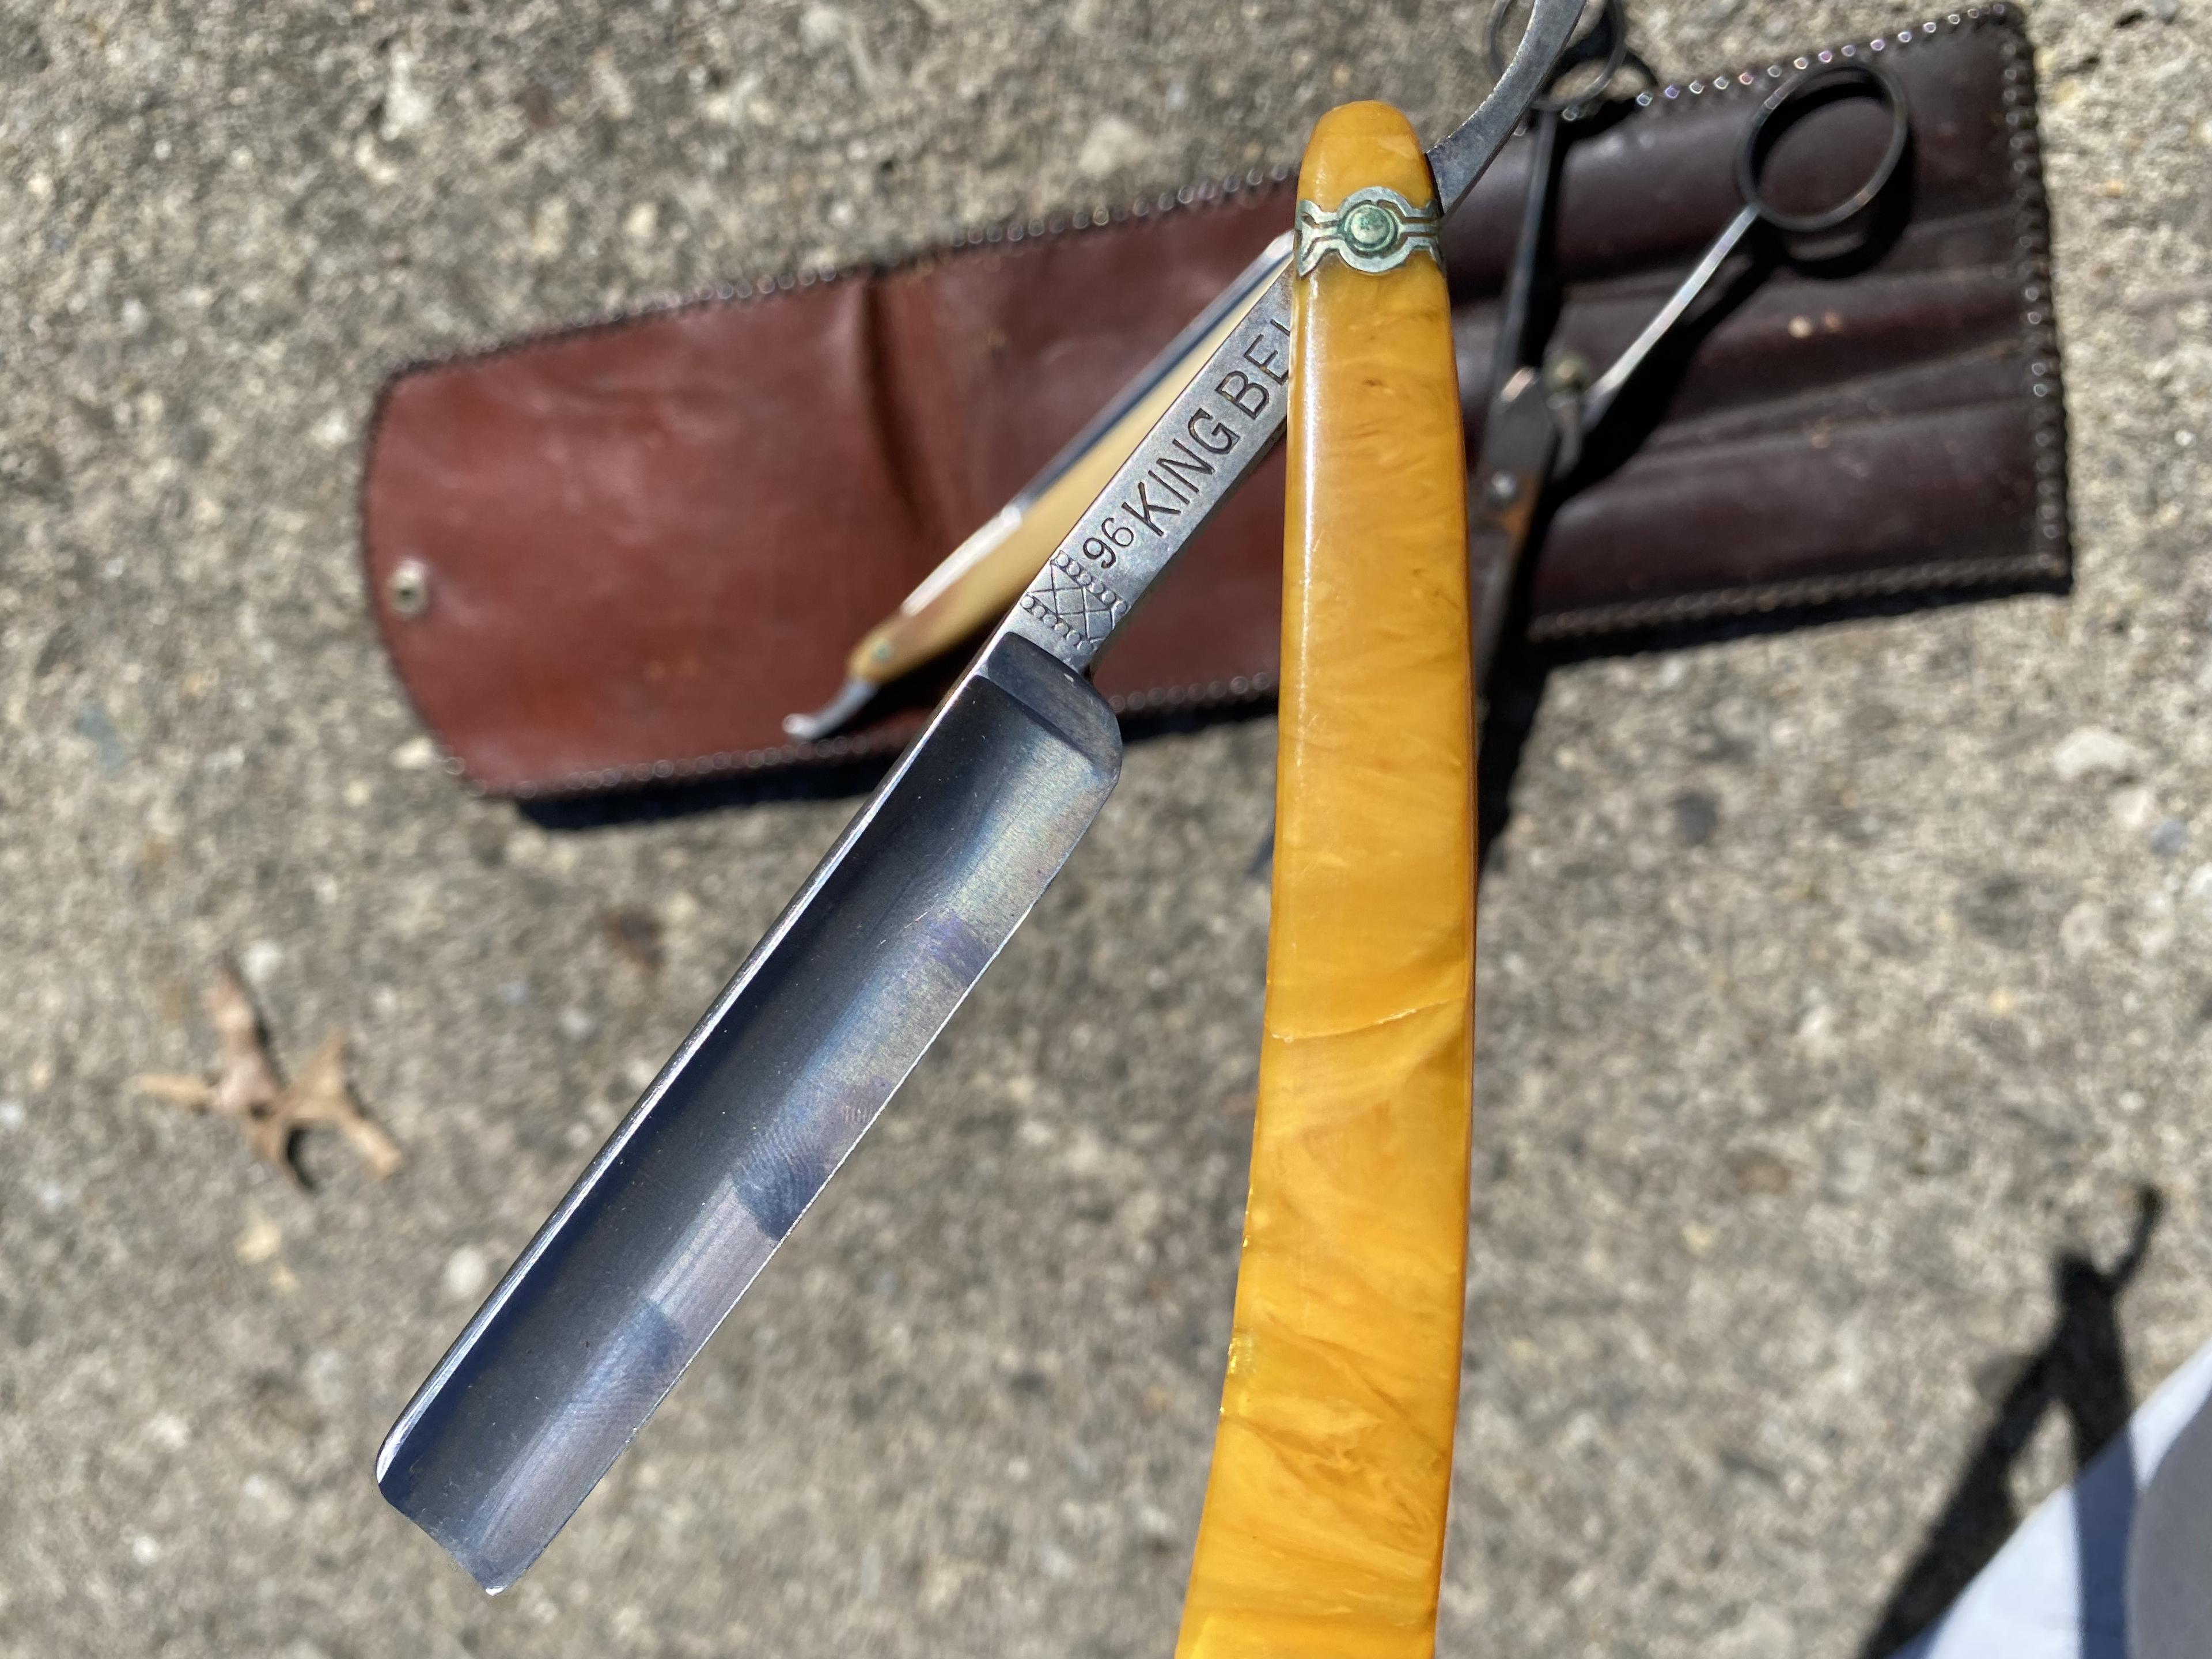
1608, 40
1799, 95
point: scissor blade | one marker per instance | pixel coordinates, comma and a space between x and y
692, 1194
1520, 446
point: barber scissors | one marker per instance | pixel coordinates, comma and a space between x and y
1541, 410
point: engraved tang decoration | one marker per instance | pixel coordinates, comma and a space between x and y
1323, 1531
695, 1189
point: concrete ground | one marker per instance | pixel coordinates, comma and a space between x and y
1835, 1005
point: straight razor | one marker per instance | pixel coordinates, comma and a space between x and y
691, 1194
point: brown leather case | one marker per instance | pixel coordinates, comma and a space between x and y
621, 552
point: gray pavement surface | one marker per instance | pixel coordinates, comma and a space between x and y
1837, 985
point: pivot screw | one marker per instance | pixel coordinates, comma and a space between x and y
1370, 228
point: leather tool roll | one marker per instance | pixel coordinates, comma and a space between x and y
622, 552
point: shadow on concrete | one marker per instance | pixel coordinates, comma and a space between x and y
1514, 697
2081, 1370
653, 803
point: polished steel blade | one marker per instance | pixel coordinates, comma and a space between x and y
687, 1201
660, 1237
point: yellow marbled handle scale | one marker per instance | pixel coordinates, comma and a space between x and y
1323, 1531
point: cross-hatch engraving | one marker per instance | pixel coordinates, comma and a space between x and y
1074, 604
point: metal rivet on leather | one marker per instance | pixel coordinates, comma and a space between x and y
407, 588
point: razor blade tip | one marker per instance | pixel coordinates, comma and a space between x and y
851, 698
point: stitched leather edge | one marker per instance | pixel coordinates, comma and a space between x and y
1007, 235
2050, 562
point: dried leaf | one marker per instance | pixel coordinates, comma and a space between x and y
247, 1081
319, 1095
196, 1093
271, 1112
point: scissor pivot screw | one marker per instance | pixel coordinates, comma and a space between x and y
1570, 371
1502, 487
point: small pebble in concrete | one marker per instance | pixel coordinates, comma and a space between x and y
259, 1242
2083, 930
2133, 807
1756, 1170
2196, 891
2093, 751
466, 1274
1696, 815
96, 726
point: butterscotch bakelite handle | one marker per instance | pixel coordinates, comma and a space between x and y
1323, 1529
